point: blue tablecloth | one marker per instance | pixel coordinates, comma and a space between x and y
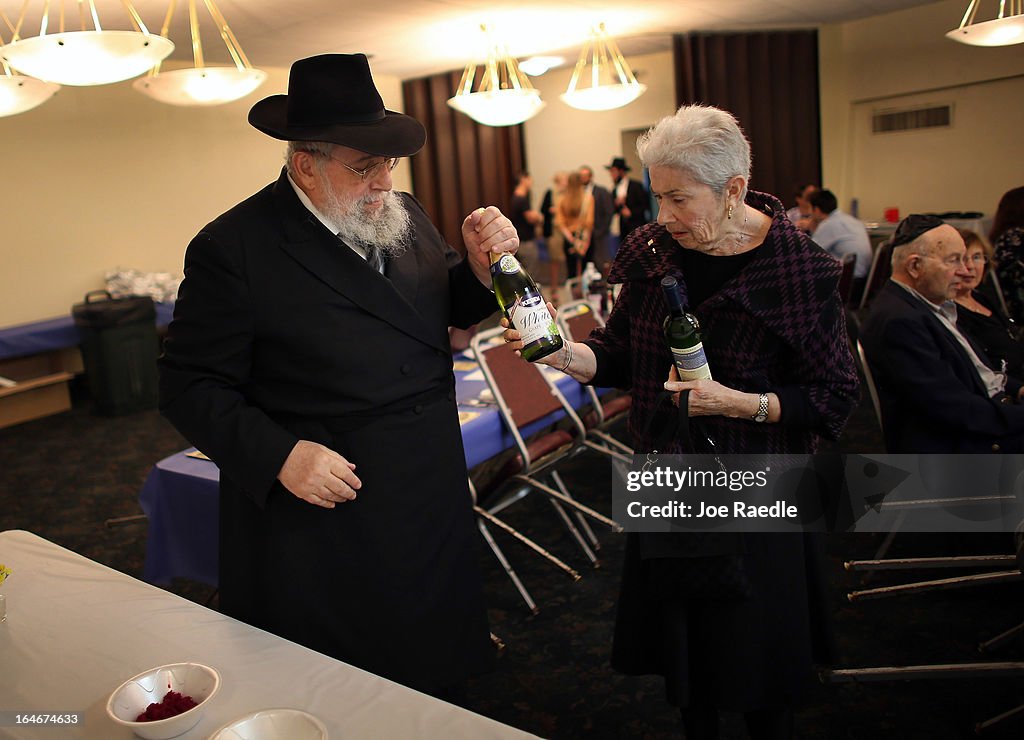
181, 500
54, 334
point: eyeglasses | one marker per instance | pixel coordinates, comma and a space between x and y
978, 258
370, 171
949, 260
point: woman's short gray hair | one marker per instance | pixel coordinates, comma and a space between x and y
705, 141
321, 149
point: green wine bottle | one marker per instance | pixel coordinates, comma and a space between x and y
524, 307
682, 332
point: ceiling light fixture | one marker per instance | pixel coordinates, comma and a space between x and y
612, 84
536, 66
17, 93
199, 84
85, 57
1005, 29
504, 96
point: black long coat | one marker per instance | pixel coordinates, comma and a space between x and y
283, 333
776, 326
933, 400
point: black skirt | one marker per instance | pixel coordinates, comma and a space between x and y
751, 645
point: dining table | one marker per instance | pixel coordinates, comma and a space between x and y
74, 630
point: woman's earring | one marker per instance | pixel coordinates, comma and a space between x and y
729, 215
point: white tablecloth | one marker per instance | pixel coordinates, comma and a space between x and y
76, 629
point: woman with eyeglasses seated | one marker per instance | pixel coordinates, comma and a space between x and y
981, 318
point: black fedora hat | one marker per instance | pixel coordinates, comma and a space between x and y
620, 163
332, 98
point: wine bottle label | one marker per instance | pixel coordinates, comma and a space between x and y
508, 264
691, 364
531, 318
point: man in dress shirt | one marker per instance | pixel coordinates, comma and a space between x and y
631, 199
604, 209
841, 234
800, 214
938, 391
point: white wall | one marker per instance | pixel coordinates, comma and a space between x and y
103, 177
563, 138
902, 60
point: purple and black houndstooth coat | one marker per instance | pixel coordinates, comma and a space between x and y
776, 326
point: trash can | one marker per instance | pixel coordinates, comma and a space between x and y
119, 350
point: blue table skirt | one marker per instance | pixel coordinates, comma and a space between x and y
54, 334
180, 495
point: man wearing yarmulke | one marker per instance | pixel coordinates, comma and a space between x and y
939, 392
309, 358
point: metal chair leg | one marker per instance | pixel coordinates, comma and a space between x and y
1002, 637
937, 585
583, 523
567, 521
509, 570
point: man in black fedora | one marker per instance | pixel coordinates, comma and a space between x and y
309, 358
631, 200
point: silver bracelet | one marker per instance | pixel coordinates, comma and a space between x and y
563, 368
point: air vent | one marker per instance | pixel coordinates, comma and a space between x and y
886, 122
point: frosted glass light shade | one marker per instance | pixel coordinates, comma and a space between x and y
499, 107
19, 94
202, 86
999, 32
603, 97
87, 57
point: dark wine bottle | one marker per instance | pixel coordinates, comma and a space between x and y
524, 307
682, 332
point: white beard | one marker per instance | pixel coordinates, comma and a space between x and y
389, 228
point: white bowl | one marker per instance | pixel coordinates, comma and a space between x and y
131, 698
273, 724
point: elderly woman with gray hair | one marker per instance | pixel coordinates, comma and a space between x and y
730, 620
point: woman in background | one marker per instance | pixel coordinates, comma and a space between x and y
574, 217
552, 236
1007, 237
981, 318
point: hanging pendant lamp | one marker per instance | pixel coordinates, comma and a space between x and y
199, 84
504, 96
1006, 29
88, 56
602, 79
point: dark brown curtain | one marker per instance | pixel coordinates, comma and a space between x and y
769, 81
464, 165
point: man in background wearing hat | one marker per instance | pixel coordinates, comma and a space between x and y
309, 358
938, 391
631, 198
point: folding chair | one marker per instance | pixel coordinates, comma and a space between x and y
528, 402
869, 381
484, 518
846, 278
577, 321
881, 269
973, 671
575, 287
